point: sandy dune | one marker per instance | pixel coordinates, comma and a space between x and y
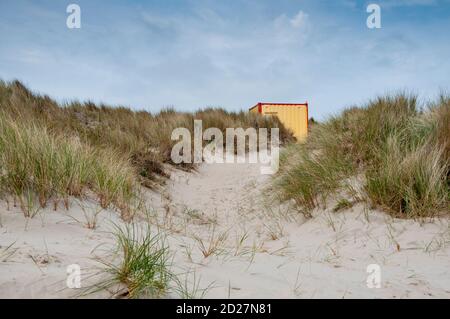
261, 249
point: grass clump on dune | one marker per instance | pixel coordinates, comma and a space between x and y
37, 166
401, 153
142, 269
411, 176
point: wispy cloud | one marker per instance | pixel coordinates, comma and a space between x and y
299, 20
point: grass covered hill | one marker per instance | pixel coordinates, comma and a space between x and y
50, 151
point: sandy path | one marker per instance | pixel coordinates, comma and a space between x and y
285, 256
254, 247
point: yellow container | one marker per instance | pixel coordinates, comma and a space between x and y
293, 116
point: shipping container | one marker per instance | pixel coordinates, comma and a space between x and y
293, 116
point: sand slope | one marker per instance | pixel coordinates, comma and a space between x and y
258, 248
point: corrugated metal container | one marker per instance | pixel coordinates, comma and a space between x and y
293, 116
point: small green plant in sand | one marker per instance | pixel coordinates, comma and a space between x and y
141, 266
190, 289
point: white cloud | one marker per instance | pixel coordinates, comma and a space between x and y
299, 20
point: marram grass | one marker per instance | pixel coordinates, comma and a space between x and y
35, 163
399, 152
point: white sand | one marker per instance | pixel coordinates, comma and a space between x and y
282, 255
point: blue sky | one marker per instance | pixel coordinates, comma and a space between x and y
197, 53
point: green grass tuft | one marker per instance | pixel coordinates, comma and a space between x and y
143, 266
